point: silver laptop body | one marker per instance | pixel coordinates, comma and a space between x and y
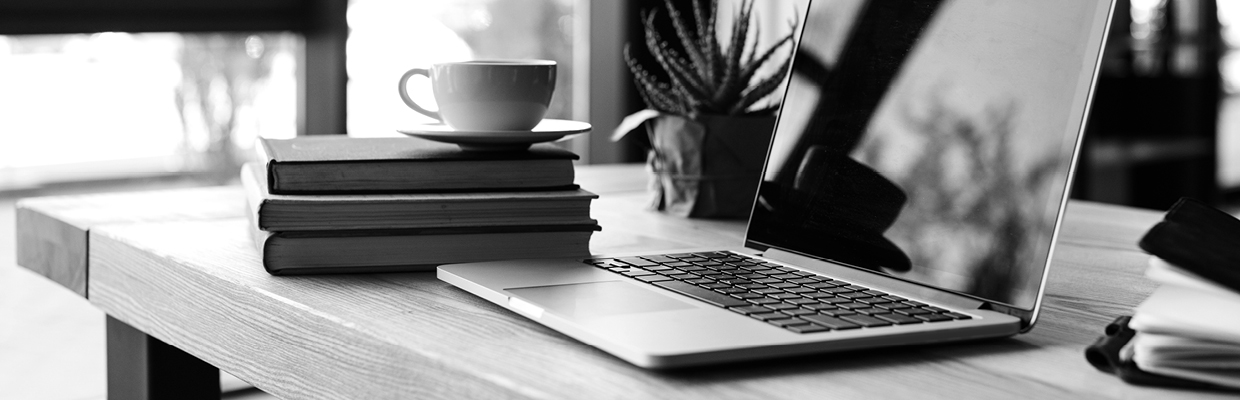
924, 150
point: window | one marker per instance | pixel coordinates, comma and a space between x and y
112, 104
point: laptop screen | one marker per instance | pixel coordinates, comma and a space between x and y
932, 140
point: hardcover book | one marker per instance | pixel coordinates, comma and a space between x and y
276, 212
345, 165
406, 250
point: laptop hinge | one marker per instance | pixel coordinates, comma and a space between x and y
875, 280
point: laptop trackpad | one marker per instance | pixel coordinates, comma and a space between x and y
597, 299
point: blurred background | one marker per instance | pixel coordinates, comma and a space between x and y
139, 94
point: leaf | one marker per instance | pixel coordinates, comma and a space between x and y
752, 68
762, 89
647, 85
728, 88
707, 40
671, 61
686, 40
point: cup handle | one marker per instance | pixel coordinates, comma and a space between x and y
404, 95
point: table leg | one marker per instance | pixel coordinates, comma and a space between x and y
141, 367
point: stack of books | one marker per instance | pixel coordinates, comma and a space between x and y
1189, 328
340, 204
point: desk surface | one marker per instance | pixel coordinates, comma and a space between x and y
179, 266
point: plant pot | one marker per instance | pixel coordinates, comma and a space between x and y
706, 168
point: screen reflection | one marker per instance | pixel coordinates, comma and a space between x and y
931, 140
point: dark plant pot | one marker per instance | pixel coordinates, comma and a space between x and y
706, 168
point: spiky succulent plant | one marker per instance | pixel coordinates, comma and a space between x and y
708, 78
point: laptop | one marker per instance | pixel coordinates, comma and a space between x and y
912, 194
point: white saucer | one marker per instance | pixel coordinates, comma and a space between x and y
546, 131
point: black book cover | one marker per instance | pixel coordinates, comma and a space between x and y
1200, 239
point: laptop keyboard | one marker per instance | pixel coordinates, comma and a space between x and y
799, 301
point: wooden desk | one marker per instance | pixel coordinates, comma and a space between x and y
177, 265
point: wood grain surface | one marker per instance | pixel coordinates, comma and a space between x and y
197, 284
52, 231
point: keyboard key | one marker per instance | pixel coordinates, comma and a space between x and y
834, 300
780, 306
800, 290
801, 311
684, 276
873, 300
747, 296
752, 276
768, 316
709, 264
894, 298
653, 278
933, 317
732, 290
821, 285
807, 328
819, 306
750, 309
764, 300
659, 259
786, 276
633, 272
839, 312
899, 319
913, 311
717, 299
770, 272
838, 290
713, 254
694, 269
767, 280
914, 303
784, 285
658, 268
957, 315
894, 306
767, 291
638, 262
787, 322
817, 295
802, 281
874, 293
802, 273
858, 288
871, 311
750, 286
681, 255
700, 281
801, 301
853, 306
716, 286
693, 259
784, 296
830, 322
854, 295
865, 320
678, 264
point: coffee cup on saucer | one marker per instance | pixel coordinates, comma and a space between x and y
487, 95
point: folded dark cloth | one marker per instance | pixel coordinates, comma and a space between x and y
1105, 355
1200, 239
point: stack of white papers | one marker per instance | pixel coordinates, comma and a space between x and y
1189, 328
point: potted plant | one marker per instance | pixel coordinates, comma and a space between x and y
707, 123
